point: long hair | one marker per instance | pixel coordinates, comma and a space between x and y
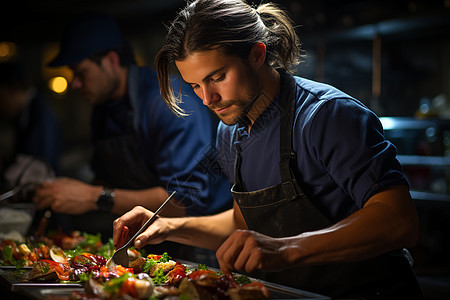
234, 27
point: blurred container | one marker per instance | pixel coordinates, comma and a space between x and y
17, 216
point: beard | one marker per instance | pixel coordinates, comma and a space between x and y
236, 111
108, 88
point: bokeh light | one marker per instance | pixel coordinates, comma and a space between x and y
7, 51
58, 84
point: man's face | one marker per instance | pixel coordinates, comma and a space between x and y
96, 83
226, 84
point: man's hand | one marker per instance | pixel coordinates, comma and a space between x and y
67, 195
156, 233
248, 251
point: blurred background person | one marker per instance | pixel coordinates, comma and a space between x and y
30, 133
142, 152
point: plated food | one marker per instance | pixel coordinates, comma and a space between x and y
25, 252
160, 277
153, 276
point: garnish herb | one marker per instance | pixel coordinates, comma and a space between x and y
243, 279
202, 267
159, 277
8, 256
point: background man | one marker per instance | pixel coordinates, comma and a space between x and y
142, 151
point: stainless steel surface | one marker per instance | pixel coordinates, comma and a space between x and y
14, 280
51, 293
120, 257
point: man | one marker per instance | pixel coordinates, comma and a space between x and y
141, 150
321, 203
30, 133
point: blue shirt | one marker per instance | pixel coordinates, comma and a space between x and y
180, 151
342, 156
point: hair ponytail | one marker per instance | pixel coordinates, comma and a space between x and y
234, 27
283, 44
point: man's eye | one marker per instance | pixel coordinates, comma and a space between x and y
195, 86
218, 79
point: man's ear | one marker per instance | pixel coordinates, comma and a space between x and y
114, 58
257, 55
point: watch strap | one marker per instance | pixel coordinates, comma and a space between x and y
105, 201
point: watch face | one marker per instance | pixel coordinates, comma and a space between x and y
106, 200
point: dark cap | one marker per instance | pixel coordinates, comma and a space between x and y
86, 35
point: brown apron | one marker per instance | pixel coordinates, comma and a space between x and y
286, 211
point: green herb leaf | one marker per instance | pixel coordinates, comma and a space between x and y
84, 277
149, 263
202, 267
165, 257
243, 279
159, 277
7, 254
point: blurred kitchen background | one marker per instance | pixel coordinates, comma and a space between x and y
394, 56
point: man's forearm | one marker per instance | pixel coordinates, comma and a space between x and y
388, 221
206, 232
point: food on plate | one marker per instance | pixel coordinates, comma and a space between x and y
129, 285
49, 270
254, 290
26, 252
161, 277
20, 254
82, 258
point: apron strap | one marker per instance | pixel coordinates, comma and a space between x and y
288, 90
237, 169
133, 92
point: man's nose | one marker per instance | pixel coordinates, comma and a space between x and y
210, 96
76, 83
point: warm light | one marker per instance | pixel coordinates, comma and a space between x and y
7, 51
58, 84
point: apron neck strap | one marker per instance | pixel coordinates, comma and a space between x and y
288, 90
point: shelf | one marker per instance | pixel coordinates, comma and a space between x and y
410, 123
419, 160
430, 196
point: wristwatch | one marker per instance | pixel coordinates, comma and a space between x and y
105, 201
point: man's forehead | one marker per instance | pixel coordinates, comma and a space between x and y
201, 63
83, 64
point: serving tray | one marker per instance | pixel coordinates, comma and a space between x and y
15, 281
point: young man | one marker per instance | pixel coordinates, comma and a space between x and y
142, 151
321, 202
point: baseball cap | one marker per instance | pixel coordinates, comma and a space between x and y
87, 34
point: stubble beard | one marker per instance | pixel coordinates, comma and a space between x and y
239, 112
241, 109
108, 93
